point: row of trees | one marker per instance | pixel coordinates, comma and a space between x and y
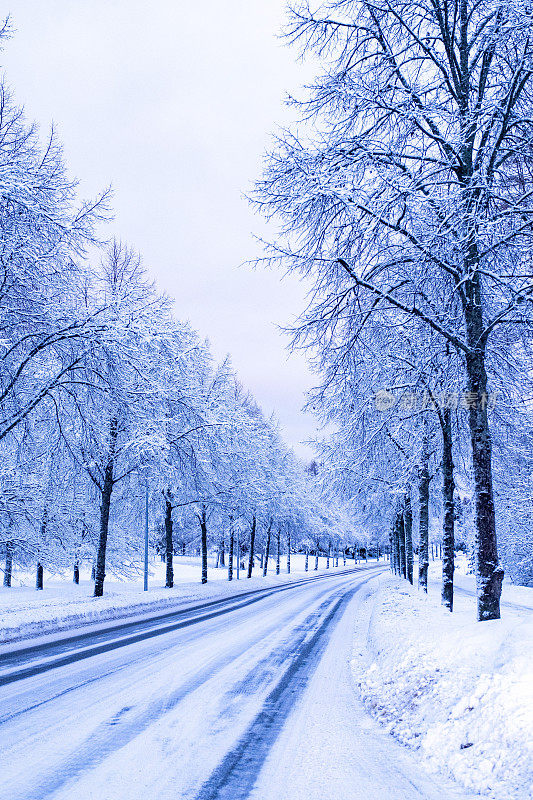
108, 402
404, 197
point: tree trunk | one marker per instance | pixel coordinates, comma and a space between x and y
392, 543
278, 553
8, 570
423, 519
401, 536
336, 555
288, 552
408, 528
328, 556
447, 495
76, 577
230, 553
489, 575
105, 505
203, 527
397, 545
169, 544
252, 545
267, 550
306, 559
222, 553
316, 558
39, 576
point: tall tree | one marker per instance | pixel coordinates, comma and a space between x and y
413, 194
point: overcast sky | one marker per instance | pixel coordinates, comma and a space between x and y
174, 106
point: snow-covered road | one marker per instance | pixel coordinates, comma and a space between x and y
248, 698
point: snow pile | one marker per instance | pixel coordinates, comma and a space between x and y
459, 691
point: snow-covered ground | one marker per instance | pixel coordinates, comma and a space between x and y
458, 691
63, 604
255, 704
235, 706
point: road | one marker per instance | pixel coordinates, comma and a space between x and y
248, 697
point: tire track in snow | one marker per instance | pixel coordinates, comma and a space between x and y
236, 775
114, 733
107, 641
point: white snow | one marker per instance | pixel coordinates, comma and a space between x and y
458, 691
62, 604
156, 718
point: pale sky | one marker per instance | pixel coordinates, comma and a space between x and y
174, 106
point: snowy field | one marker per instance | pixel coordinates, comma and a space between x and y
63, 604
459, 692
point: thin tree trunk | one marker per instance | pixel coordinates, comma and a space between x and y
230, 554
267, 549
105, 505
252, 545
408, 528
222, 553
448, 528
76, 577
169, 544
278, 553
328, 556
39, 577
306, 559
392, 563
397, 545
203, 527
423, 519
8, 569
336, 555
288, 552
316, 558
401, 536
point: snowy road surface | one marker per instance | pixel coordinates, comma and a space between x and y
244, 698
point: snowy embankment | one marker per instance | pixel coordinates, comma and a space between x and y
458, 691
63, 605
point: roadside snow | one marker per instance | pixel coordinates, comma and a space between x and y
466, 582
458, 691
62, 605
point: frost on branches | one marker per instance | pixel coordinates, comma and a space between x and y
405, 198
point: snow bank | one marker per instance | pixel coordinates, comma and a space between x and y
63, 605
458, 691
